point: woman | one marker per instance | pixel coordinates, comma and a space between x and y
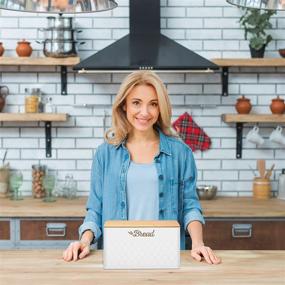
142, 171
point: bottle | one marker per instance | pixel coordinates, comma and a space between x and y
281, 185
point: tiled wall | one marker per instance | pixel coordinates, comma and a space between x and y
209, 27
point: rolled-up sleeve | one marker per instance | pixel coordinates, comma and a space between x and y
192, 210
93, 218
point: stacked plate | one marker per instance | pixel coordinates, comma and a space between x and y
60, 37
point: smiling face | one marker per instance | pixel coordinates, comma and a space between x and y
142, 108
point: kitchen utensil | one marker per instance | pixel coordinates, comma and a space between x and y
60, 22
60, 34
4, 91
243, 105
277, 136
206, 192
269, 172
277, 106
261, 167
24, 49
253, 136
60, 49
261, 188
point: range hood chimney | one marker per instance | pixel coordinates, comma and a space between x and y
145, 47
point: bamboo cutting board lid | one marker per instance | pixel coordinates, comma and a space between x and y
141, 224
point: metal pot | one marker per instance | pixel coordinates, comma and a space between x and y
206, 192
60, 22
55, 48
60, 34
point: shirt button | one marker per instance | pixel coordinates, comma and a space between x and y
161, 211
157, 160
160, 177
161, 194
123, 204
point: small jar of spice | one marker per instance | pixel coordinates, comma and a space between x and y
38, 173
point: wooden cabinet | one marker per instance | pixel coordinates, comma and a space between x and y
4, 230
243, 234
49, 229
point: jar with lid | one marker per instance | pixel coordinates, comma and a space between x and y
243, 105
38, 173
32, 102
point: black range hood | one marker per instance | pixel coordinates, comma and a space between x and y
145, 47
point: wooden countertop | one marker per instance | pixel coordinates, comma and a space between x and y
46, 267
221, 207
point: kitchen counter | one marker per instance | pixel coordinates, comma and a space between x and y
220, 207
47, 267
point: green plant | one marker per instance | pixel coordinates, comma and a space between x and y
255, 23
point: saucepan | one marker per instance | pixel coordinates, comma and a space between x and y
60, 22
60, 49
60, 34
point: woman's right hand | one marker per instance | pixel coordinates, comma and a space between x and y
76, 250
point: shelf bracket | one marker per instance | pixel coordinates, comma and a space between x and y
63, 72
239, 127
48, 138
225, 81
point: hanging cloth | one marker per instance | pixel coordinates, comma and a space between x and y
191, 133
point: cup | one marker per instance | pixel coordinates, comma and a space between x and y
276, 136
254, 136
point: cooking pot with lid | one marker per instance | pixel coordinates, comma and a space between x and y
60, 22
60, 49
60, 34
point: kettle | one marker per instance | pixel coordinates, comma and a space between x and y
4, 91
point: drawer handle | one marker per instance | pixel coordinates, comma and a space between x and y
55, 229
241, 230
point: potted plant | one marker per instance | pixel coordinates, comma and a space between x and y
255, 23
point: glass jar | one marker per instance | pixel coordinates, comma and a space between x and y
69, 187
38, 173
31, 104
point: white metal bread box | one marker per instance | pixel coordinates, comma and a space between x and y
141, 244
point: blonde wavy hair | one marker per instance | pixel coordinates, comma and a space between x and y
120, 125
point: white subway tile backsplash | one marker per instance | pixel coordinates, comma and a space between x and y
209, 28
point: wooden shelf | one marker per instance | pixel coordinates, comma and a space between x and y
48, 118
44, 61
240, 119
39, 61
33, 117
253, 118
249, 62
226, 63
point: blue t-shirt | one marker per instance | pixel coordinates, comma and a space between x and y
142, 192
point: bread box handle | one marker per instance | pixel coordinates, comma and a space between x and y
241, 230
55, 229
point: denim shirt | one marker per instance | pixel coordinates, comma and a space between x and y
177, 175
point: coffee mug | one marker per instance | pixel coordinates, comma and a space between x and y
276, 136
253, 136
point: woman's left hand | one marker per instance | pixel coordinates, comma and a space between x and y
202, 251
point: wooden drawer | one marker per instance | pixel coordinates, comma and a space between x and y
4, 230
245, 234
31, 229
